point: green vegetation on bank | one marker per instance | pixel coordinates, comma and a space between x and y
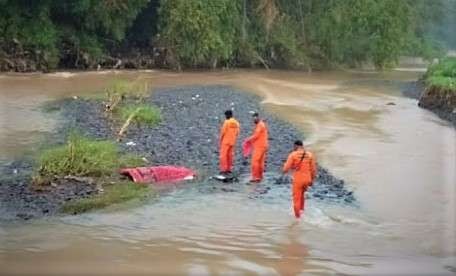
123, 88
126, 101
81, 156
141, 114
99, 160
42, 35
113, 194
442, 75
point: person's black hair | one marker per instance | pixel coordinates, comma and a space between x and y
255, 114
228, 114
298, 143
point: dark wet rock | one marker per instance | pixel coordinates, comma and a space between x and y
24, 216
18, 196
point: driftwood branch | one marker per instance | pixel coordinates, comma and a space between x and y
126, 124
262, 61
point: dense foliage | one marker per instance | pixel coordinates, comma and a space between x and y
141, 114
442, 74
74, 33
45, 34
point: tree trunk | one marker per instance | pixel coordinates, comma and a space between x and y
244, 18
303, 31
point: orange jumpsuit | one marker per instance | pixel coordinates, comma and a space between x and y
305, 171
228, 136
259, 141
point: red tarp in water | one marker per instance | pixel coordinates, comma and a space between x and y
158, 174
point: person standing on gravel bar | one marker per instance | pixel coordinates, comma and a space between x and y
259, 143
228, 136
305, 170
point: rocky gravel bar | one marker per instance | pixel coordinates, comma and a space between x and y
187, 135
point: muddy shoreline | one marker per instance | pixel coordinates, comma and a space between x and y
25, 62
435, 101
187, 135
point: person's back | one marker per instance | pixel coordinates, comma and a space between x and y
228, 135
230, 131
303, 164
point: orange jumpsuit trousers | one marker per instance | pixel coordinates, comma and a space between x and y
258, 160
299, 190
226, 157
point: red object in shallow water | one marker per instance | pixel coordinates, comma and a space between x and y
158, 174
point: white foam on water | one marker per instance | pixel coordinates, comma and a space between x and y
62, 74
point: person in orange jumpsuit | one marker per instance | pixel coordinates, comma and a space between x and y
228, 136
259, 142
305, 170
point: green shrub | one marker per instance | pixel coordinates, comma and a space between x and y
144, 114
113, 194
126, 88
443, 82
442, 74
81, 156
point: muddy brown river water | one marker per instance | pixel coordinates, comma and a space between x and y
399, 159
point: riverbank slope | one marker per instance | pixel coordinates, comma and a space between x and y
436, 90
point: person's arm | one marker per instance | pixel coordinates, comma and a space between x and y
238, 129
313, 167
256, 134
288, 164
223, 131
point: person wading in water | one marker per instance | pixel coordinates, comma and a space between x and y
303, 163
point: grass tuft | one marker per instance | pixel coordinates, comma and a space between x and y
144, 114
125, 88
82, 156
